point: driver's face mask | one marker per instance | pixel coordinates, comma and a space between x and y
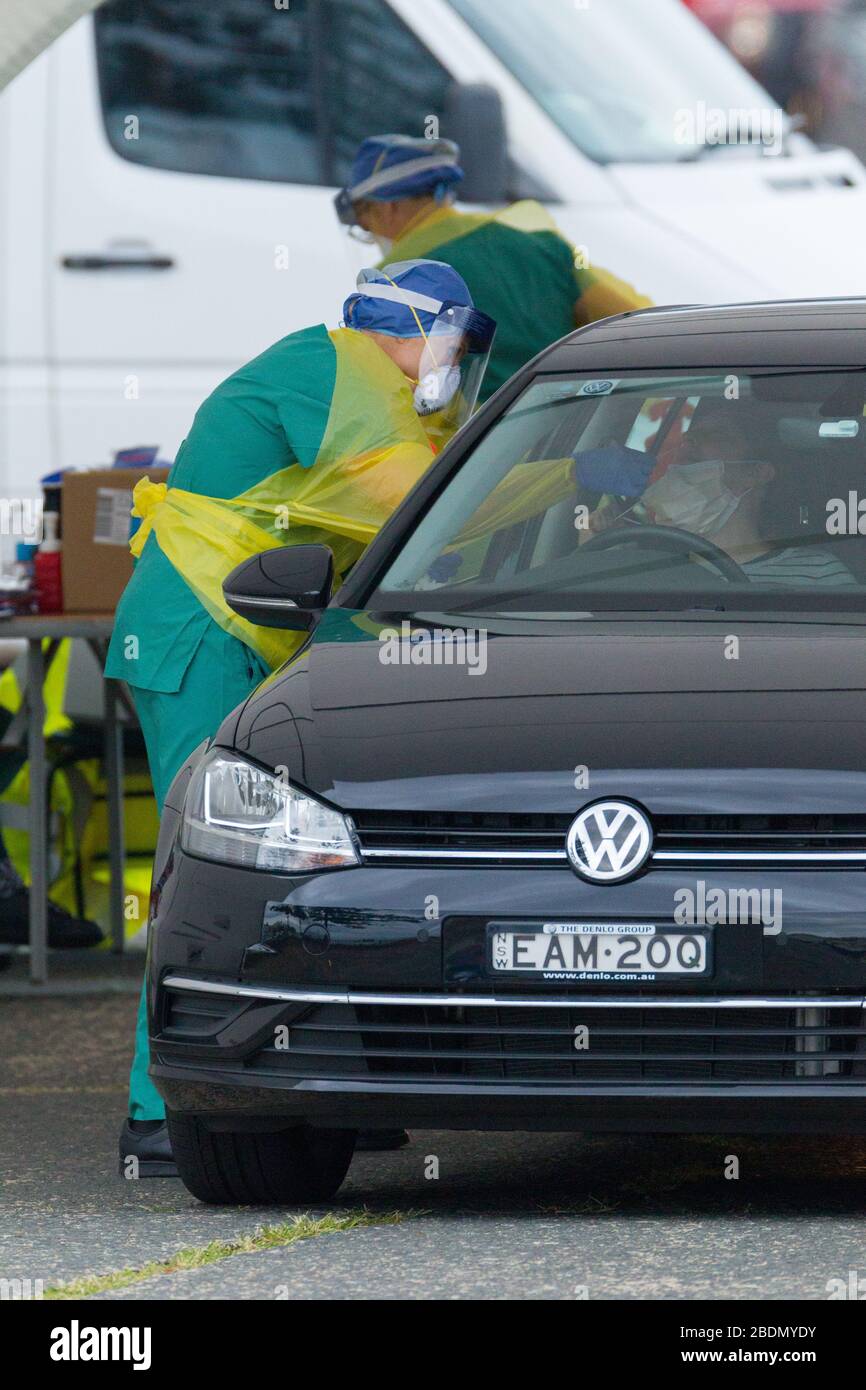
694, 496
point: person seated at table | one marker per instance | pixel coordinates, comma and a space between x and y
64, 930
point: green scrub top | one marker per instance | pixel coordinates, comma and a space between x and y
268, 415
526, 281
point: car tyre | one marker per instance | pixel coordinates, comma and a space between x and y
289, 1166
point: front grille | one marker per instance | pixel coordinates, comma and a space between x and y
483, 830
753, 832
807, 841
507, 1043
189, 1015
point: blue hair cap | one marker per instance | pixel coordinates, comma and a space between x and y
420, 281
381, 154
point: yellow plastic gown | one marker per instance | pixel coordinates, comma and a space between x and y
368, 461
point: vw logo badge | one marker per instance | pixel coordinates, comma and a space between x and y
609, 841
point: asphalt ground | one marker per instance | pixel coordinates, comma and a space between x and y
508, 1216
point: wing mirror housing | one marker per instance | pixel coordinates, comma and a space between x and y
474, 116
287, 587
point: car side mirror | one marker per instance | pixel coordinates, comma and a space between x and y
287, 587
473, 115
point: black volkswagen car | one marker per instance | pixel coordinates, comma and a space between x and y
557, 817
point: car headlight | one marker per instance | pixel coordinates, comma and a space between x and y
237, 813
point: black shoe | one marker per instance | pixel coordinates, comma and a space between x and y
64, 930
380, 1140
148, 1142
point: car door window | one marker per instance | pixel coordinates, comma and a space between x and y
242, 89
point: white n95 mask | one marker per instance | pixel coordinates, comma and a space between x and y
436, 389
694, 496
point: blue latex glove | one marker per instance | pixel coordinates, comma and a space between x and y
614, 468
445, 567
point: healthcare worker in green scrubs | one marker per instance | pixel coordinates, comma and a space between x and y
317, 439
518, 266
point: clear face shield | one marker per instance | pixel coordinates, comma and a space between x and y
347, 210
456, 353
432, 156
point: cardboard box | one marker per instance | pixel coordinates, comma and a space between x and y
95, 520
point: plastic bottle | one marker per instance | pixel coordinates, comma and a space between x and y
24, 567
47, 568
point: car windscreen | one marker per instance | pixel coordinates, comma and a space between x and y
723, 490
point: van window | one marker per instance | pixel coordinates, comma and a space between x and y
243, 89
369, 50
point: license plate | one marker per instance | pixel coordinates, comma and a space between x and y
597, 950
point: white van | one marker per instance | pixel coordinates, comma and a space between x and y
167, 170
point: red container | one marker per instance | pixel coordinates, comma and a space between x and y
47, 566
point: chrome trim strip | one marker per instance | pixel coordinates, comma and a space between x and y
760, 856
486, 1001
260, 602
550, 856
288, 996
659, 856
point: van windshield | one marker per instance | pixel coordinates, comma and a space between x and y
723, 491
626, 80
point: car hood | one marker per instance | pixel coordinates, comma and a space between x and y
682, 716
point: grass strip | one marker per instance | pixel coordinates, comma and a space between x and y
195, 1257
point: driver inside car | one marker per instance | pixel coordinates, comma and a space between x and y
717, 491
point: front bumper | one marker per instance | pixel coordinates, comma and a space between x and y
342, 1105
342, 999
239, 1054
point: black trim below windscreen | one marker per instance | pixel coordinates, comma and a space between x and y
455, 604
